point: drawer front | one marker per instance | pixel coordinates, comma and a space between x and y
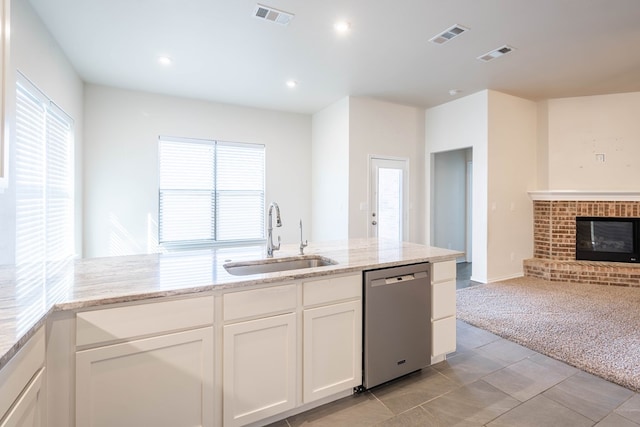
443, 336
15, 376
121, 323
443, 299
443, 271
332, 289
259, 302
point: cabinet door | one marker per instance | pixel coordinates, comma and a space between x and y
332, 349
161, 381
259, 359
27, 411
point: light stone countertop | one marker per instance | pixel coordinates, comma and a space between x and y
29, 294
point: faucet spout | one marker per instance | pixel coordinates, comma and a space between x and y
270, 246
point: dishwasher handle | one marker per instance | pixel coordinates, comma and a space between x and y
398, 279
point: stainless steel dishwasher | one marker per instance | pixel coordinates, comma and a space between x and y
397, 316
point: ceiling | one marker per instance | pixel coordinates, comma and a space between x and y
222, 53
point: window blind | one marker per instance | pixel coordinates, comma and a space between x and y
44, 190
211, 192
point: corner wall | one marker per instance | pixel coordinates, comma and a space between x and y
121, 166
37, 55
579, 128
330, 172
456, 125
511, 174
388, 130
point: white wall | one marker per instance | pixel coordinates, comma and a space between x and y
121, 183
330, 172
459, 124
384, 129
36, 54
580, 128
511, 173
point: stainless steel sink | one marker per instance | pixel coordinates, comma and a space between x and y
273, 265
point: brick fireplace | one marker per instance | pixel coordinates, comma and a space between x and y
554, 244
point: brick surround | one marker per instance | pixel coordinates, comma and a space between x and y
554, 243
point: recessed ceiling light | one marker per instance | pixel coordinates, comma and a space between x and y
342, 27
165, 60
292, 83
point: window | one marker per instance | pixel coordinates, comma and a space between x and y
211, 192
44, 191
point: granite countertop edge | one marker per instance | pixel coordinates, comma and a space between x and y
93, 269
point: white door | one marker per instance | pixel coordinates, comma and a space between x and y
389, 179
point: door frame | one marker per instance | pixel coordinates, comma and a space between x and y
371, 231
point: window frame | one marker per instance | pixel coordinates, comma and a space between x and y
195, 244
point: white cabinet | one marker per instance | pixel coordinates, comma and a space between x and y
443, 309
259, 377
332, 337
143, 367
22, 394
259, 355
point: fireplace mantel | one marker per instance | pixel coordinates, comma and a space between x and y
571, 195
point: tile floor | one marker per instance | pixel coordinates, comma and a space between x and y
488, 381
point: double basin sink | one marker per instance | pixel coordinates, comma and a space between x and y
273, 265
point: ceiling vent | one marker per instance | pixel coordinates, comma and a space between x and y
274, 15
448, 34
496, 53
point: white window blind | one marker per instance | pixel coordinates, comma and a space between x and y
211, 192
44, 188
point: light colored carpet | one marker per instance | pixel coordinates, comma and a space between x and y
592, 327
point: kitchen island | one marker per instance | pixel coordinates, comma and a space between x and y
81, 301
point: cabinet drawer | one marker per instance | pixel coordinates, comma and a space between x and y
15, 376
443, 336
443, 299
259, 302
332, 289
121, 323
443, 271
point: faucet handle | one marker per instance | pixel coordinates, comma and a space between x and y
277, 247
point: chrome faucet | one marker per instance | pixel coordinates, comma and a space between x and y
302, 244
270, 246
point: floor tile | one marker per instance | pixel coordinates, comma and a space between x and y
505, 351
411, 418
471, 405
524, 379
473, 337
468, 367
589, 395
630, 409
539, 412
413, 390
353, 411
615, 420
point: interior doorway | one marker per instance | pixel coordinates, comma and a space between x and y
451, 201
388, 198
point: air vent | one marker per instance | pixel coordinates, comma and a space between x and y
274, 15
496, 53
448, 34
